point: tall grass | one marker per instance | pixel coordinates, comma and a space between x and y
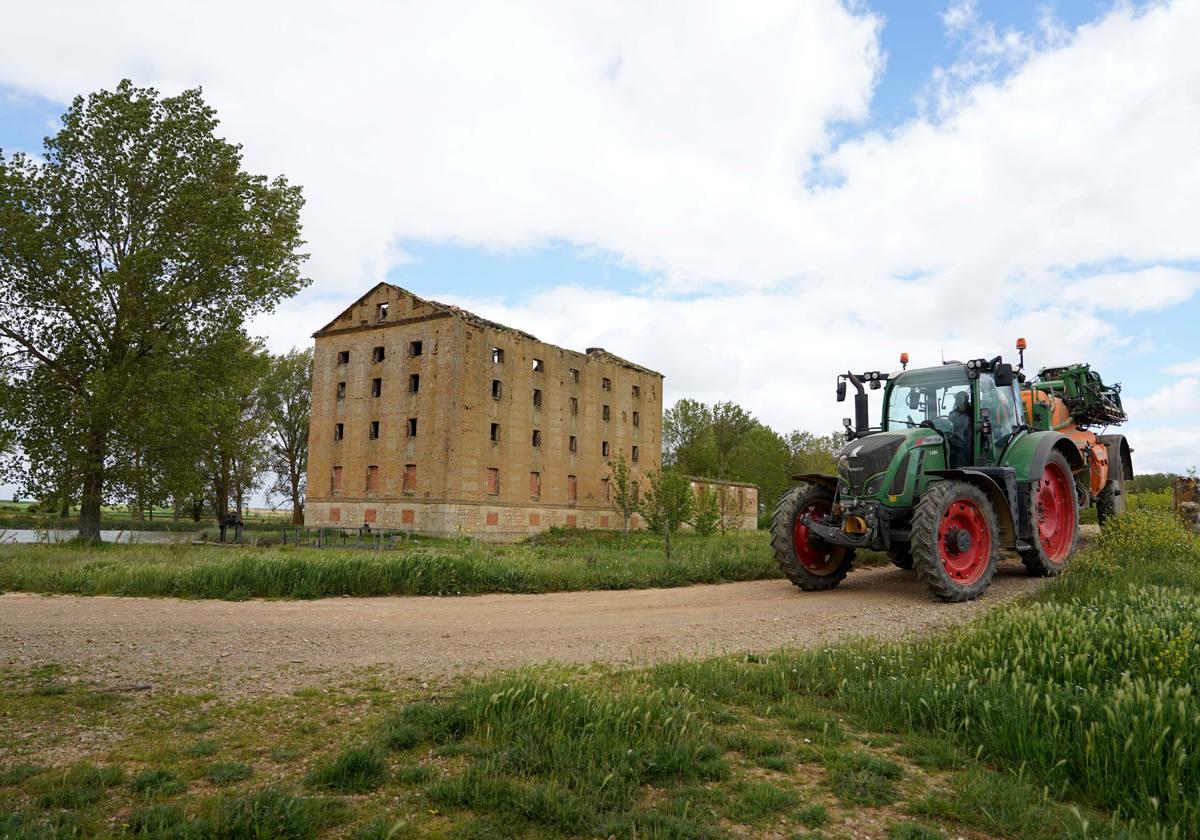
554, 563
563, 754
1089, 690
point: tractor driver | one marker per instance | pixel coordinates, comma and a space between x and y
960, 438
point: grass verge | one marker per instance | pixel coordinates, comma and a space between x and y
555, 562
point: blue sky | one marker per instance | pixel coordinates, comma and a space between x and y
445, 190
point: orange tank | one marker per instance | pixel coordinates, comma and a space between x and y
1049, 412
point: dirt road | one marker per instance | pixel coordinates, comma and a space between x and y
263, 646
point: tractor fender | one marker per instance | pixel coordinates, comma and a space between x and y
1003, 499
1118, 447
829, 482
1044, 444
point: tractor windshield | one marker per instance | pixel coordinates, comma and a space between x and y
939, 398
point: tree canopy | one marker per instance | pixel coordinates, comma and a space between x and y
724, 441
129, 256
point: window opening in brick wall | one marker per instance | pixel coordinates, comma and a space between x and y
634, 455
572, 489
574, 406
376, 387
381, 310
537, 437
637, 419
412, 426
606, 384
414, 382
573, 375
335, 480
495, 431
373, 430
415, 348
604, 414
572, 444
343, 357
339, 431
538, 366
497, 389
493, 481
535, 486
637, 392
341, 390
372, 478
378, 354
497, 356
410, 478
604, 448
537, 397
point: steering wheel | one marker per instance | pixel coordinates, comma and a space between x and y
926, 424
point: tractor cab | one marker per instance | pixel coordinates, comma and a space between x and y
976, 407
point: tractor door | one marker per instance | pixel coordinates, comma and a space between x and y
998, 416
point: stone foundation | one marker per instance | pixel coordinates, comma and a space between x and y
479, 520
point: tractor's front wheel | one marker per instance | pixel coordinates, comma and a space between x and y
1055, 519
954, 540
807, 561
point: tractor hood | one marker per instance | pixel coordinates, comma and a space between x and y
868, 466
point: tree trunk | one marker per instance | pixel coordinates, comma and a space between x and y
65, 512
93, 488
221, 488
197, 509
297, 502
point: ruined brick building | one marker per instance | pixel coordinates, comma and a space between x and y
428, 418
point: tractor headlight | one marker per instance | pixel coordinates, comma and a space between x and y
873, 485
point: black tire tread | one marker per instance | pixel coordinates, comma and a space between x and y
925, 550
1111, 500
1034, 558
789, 503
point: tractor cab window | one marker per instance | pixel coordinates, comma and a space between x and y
938, 398
1004, 408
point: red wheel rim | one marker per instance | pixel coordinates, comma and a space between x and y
1055, 512
964, 541
813, 555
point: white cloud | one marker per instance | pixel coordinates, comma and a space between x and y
1191, 368
1148, 289
677, 136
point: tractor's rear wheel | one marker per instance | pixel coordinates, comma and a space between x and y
1055, 518
954, 540
807, 561
901, 556
1111, 500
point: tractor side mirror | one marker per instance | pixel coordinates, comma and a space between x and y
914, 399
1004, 375
841, 390
985, 429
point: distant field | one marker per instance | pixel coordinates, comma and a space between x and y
552, 562
15, 515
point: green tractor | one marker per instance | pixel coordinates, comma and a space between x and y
968, 460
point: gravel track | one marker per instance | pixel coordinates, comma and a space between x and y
258, 647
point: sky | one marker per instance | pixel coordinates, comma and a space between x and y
749, 198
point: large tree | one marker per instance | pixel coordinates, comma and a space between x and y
138, 235
287, 404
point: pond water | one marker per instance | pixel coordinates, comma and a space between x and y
28, 535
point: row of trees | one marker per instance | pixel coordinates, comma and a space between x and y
724, 441
132, 255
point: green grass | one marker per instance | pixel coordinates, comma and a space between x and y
563, 561
1071, 714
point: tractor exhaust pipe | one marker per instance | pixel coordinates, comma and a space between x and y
862, 416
